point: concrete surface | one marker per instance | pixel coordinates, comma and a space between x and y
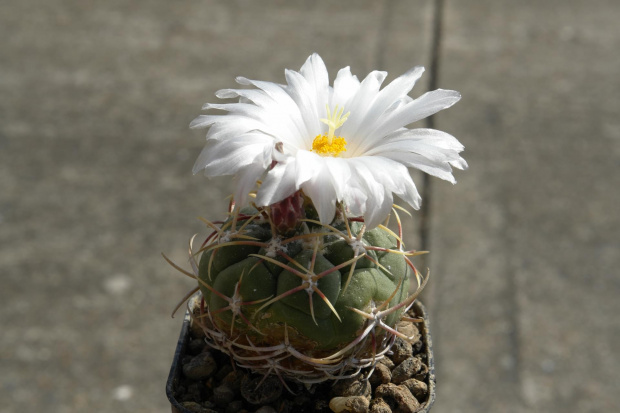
526, 245
95, 182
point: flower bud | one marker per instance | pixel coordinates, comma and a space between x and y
287, 214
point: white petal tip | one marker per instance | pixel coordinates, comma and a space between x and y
226, 94
460, 164
416, 69
198, 123
452, 94
198, 168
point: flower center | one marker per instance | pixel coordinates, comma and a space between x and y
328, 145
321, 145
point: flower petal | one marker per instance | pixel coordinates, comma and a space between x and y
341, 175
307, 165
429, 150
428, 136
420, 108
268, 132
355, 198
413, 160
224, 126
315, 73
394, 92
227, 157
345, 86
302, 93
246, 181
460, 164
270, 121
393, 176
278, 184
286, 105
321, 190
359, 103
375, 193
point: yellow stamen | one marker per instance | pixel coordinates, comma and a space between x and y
334, 121
328, 145
323, 147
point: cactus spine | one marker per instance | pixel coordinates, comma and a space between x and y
283, 294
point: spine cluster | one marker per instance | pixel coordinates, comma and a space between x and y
315, 302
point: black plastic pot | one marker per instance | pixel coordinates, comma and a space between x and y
176, 369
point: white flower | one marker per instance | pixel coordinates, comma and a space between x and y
345, 142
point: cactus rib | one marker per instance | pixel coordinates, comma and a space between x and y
254, 273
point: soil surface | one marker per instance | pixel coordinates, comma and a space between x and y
211, 383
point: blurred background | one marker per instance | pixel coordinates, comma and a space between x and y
95, 182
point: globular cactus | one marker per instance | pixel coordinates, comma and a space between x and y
308, 284
284, 294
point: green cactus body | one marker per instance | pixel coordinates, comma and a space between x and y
307, 299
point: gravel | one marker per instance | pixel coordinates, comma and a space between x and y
210, 383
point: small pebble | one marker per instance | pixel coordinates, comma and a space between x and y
194, 392
320, 405
410, 330
401, 350
406, 370
222, 395
301, 399
180, 391
223, 371
200, 367
352, 387
234, 407
381, 375
196, 346
352, 404
233, 380
285, 406
417, 346
402, 398
422, 372
378, 405
196, 408
269, 391
266, 409
398, 382
388, 362
418, 388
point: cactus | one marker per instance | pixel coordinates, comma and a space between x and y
285, 294
306, 283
